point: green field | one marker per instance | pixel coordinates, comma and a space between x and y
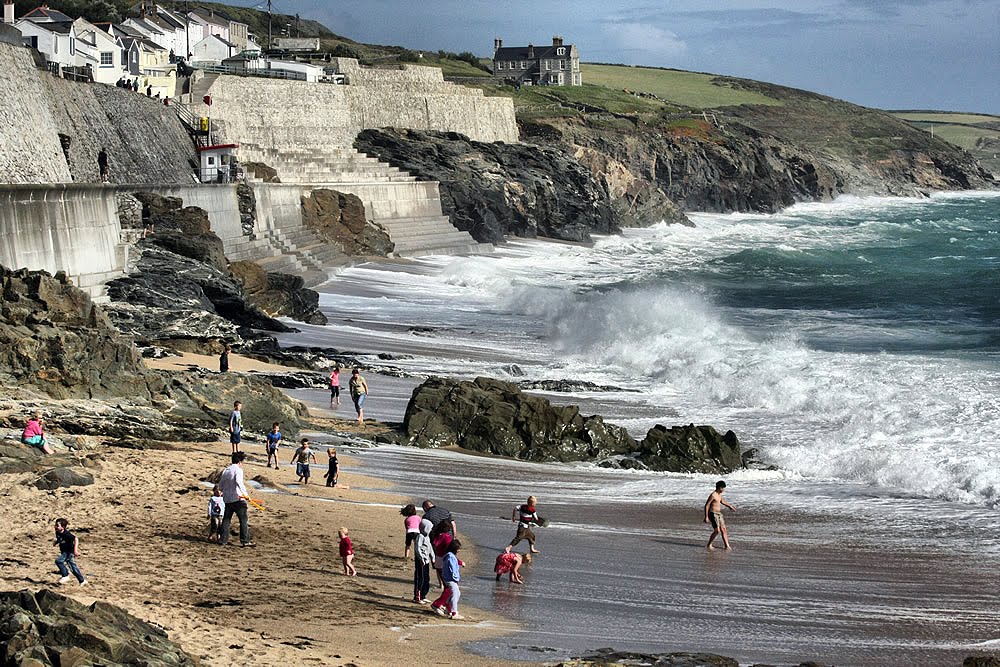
688, 89
948, 118
543, 101
960, 135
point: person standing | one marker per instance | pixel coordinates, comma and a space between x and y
347, 553
216, 509
271, 447
102, 164
713, 515
423, 557
224, 359
234, 495
359, 392
335, 387
332, 467
525, 515
69, 551
301, 460
236, 426
436, 515
451, 577
34, 433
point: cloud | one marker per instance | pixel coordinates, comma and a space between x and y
638, 39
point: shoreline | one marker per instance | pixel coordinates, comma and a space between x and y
142, 528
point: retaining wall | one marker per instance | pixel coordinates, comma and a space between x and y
144, 140
71, 228
295, 114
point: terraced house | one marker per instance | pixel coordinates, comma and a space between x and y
555, 65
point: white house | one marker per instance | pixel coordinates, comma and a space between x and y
212, 50
100, 50
211, 23
51, 32
296, 70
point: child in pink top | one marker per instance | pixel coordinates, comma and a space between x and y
34, 433
411, 524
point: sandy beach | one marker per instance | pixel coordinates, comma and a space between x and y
143, 537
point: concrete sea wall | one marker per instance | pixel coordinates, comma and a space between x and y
71, 228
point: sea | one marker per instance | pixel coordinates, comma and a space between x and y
854, 344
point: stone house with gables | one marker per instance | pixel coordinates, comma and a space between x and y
555, 65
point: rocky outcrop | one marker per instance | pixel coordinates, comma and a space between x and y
493, 190
55, 342
47, 629
278, 294
340, 218
497, 418
689, 449
612, 658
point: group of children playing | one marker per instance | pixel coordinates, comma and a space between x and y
302, 458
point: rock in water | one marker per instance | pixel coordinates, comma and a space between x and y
690, 449
46, 628
496, 417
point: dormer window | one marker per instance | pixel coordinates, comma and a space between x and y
561, 51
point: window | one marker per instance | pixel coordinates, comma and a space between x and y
107, 59
33, 41
499, 65
524, 65
548, 64
562, 64
560, 79
561, 51
124, 58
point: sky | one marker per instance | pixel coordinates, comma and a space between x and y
890, 54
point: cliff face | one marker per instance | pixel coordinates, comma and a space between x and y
494, 189
760, 158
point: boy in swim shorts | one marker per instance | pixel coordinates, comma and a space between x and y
713, 515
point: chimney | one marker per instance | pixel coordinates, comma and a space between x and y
557, 40
531, 51
8, 12
497, 43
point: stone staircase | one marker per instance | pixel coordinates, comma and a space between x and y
408, 209
297, 250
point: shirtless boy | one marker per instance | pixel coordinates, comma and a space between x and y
713, 515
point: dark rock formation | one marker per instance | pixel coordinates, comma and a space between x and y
52, 335
612, 658
492, 190
496, 417
690, 449
47, 629
53, 340
278, 294
340, 218
171, 296
61, 477
981, 661
567, 386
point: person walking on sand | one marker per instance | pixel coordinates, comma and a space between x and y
234, 495
301, 460
332, 467
69, 551
713, 515
335, 386
411, 524
224, 359
34, 433
347, 553
236, 426
359, 392
216, 509
525, 515
423, 558
271, 445
451, 577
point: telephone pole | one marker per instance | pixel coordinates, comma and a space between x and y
268, 23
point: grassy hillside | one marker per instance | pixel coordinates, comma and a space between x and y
977, 133
688, 89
